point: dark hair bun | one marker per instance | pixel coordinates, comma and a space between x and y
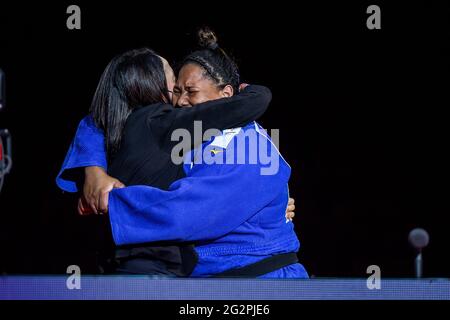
207, 38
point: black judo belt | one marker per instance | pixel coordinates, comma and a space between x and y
260, 268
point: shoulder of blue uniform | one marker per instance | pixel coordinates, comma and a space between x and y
251, 127
263, 133
254, 126
223, 140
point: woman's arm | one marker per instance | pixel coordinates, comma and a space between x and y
233, 112
85, 168
97, 186
87, 149
211, 201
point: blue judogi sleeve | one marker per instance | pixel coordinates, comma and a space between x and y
87, 149
199, 207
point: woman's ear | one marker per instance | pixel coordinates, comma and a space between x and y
227, 91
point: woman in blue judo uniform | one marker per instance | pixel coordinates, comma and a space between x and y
233, 211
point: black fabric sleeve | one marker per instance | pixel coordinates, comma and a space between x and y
236, 111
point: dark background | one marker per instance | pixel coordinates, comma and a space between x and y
361, 115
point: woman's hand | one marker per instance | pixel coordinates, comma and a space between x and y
290, 214
97, 185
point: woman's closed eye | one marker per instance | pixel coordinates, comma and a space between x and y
176, 91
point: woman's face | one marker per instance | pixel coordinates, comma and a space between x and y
192, 87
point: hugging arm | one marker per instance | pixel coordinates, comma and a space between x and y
226, 113
196, 208
87, 149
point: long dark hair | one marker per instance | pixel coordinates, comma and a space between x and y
131, 80
217, 65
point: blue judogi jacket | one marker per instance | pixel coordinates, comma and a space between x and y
231, 203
